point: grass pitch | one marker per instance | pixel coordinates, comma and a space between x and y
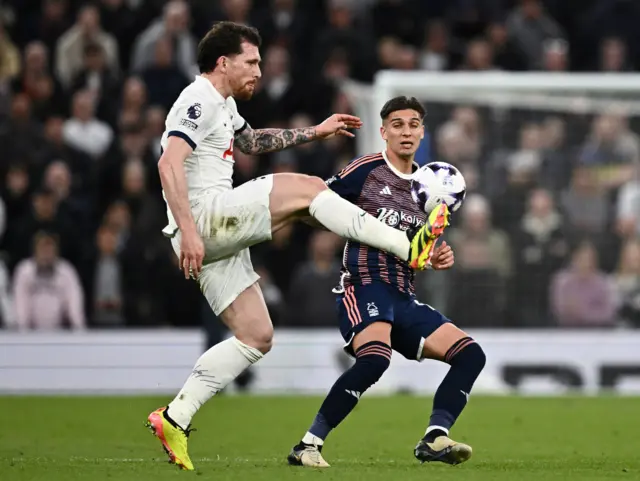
248, 438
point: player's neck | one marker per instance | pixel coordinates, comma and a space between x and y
403, 165
219, 83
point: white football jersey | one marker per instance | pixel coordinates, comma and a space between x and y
207, 122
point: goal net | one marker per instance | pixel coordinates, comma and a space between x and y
573, 135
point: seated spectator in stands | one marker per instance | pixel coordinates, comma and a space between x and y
614, 57
582, 295
539, 249
57, 148
479, 57
100, 79
627, 283
611, 150
628, 207
134, 101
37, 81
44, 216
434, 55
7, 306
555, 55
483, 266
71, 46
163, 79
15, 193
175, 25
9, 57
155, 118
21, 136
47, 289
106, 285
83, 130
310, 301
584, 204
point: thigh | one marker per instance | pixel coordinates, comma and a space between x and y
360, 307
223, 281
415, 323
291, 196
236, 219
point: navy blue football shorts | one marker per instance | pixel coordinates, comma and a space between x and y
412, 321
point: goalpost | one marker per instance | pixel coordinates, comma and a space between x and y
498, 94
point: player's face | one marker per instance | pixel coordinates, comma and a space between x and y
243, 71
402, 131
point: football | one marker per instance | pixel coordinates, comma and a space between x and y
438, 182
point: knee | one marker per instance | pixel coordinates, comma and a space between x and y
260, 338
374, 357
312, 187
472, 356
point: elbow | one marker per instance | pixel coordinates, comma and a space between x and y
164, 166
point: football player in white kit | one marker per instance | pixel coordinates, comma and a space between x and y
212, 225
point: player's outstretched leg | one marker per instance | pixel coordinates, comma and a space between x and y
293, 194
248, 319
372, 347
467, 359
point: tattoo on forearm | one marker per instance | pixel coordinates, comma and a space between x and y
271, 140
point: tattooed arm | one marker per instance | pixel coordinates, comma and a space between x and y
260, 141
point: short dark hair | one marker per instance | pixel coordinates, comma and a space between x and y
223, 40
402, 103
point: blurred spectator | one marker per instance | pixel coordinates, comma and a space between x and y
530, 26
100, 79
164, 81
37, 81
539, 249
15, 193
483, 266
555, 55
310, 301
434, 54
7, 307
582, 295
70, 48
106, 289
628, 207
627, 283
584, 204
506, 53
613, 56
48, 293
83, 130
273, 296
479, 56
174, 25
9, 57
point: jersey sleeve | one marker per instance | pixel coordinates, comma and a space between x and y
192, 122
349, 181
239, 123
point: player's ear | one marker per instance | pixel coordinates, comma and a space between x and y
383, 133
422, 132
222, 63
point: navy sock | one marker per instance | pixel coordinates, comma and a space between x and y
372, 360
467, 359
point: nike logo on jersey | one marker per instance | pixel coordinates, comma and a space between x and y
355, 394
386, 191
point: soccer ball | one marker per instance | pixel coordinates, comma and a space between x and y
438, 182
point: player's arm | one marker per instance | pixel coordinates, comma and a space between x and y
260, 141
174, 181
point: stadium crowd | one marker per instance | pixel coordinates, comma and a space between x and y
548, 234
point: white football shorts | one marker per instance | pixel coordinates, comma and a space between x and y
229, 223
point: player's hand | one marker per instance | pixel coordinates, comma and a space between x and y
338, 124
191, 254
442, 257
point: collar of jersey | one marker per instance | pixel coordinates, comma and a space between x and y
394, 170
218, 95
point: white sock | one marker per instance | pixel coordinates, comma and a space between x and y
213, 371
311, 439
433, 428
350, 221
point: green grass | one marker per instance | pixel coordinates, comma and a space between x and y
248, 438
